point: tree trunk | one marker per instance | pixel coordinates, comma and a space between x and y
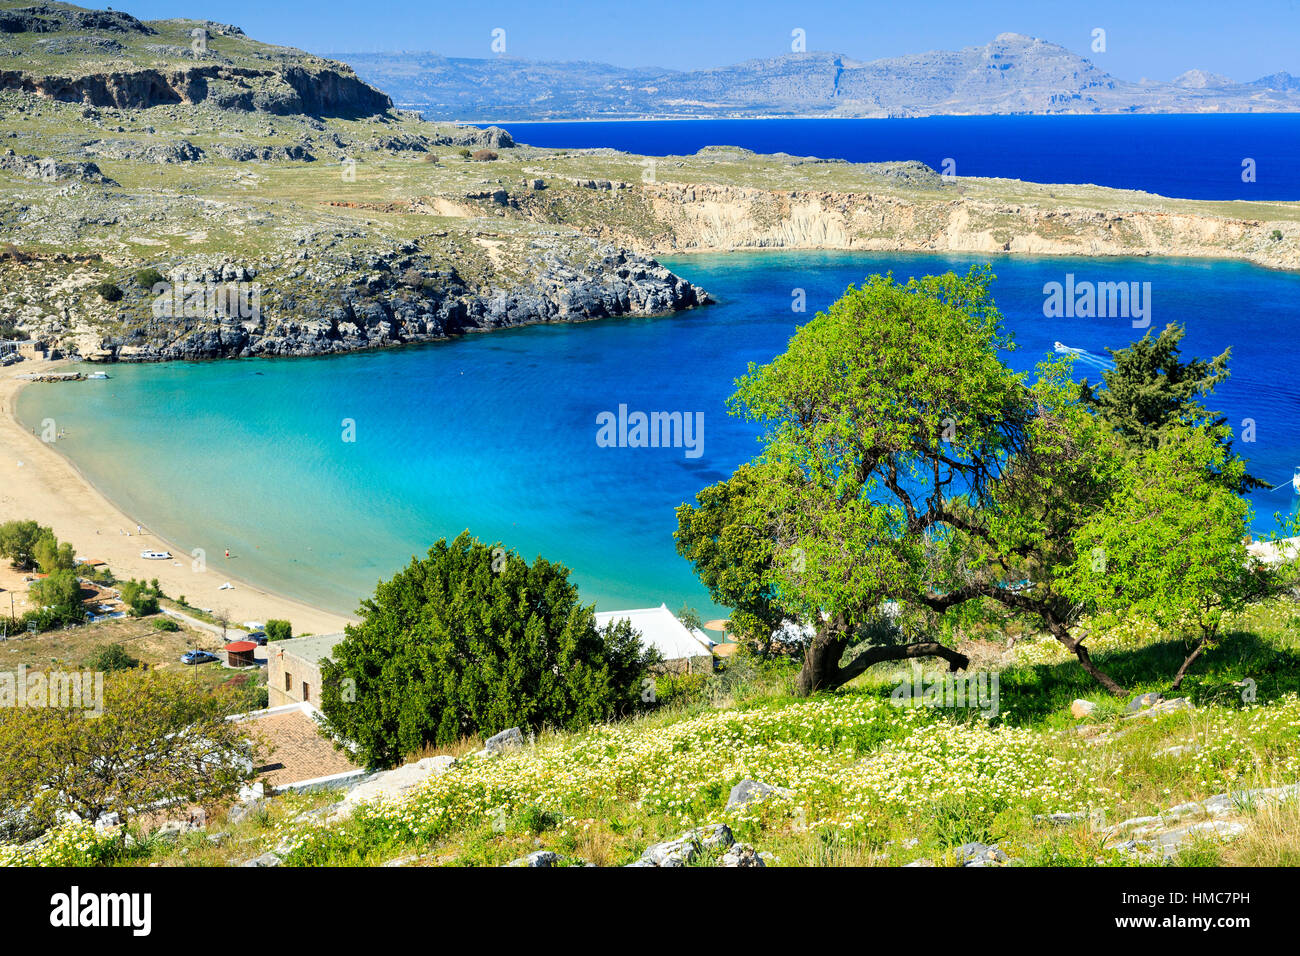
1206, 637
821, 661
1062, 634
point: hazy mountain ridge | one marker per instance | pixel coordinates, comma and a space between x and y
1011, 74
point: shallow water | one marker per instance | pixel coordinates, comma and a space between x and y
497, 432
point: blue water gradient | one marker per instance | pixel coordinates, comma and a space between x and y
497, 432
1190, 156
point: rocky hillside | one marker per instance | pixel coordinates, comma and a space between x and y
211, 226
105, 58
1010, 74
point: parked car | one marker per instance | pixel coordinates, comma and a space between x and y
198, 657
257, 638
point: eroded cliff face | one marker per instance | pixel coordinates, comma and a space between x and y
317, 92
718, 218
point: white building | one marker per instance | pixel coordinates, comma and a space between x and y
682, 648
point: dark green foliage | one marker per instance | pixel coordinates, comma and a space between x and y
112, 658
277, 630
18, 542
1152, 391
732, 556
61, 593
148, 278
140, 597
109, 292
166, 624
473, 640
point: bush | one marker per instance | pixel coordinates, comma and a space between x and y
483, 155
277, 630
109, 292
60, 592
139, 597
166, 624
472, 640
148, 278
1276, 235
111, 658
464, 153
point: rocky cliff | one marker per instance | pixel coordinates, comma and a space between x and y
103, 58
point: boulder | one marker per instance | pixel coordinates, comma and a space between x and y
505, 740
392, 784
686, 848
742, 854
1159, 707
1143, 701
266, 859
748, 791
538, 858
1082, 708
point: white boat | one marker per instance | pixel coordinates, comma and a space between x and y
1068, 349
1295, 481
97, 375
156, 555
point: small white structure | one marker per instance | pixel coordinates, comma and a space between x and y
659, 628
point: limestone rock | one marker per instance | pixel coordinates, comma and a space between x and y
748, 791
506, 740
1082, 708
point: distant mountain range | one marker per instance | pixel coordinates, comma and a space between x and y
1012, 74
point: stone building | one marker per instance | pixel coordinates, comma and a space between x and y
293, 668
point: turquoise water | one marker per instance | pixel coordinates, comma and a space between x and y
497, 432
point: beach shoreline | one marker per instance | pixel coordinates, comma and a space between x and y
42, 485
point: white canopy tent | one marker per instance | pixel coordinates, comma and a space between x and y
660, 629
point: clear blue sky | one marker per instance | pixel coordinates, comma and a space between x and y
1158, 39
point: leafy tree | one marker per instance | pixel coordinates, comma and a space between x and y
159, 738
1152, 391
61, 592
472, 640
278, 630
51, 555
109, 292
1169, 546
904, 461
732, 557
18, 542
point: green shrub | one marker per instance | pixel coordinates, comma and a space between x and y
113, 657
166, 624
139, 597
277, 630
148, 278
422, 668
109, 292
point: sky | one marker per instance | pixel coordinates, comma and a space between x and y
1154, 39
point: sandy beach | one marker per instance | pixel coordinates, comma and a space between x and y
38, 483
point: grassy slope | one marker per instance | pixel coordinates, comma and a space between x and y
867, 777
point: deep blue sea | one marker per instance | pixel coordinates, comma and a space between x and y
497, 432
1191, 156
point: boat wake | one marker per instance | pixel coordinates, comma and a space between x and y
1087, 358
